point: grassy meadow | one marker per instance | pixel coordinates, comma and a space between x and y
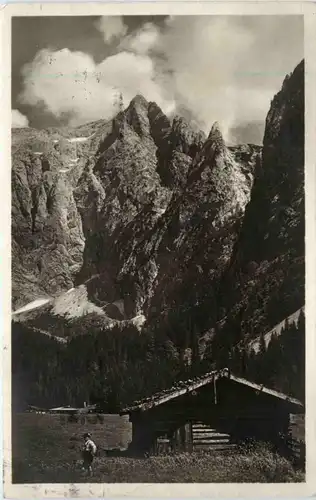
46, 449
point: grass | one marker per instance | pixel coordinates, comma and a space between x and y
46, 449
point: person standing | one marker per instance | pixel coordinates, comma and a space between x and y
88, 452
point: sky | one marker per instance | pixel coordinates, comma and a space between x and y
70, 70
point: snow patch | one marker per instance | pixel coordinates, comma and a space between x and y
64, 170
138, 321
31, 305
37, 153
79, 139
75, 304
111, 325
58, 339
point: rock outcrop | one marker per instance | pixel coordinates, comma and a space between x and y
47, 237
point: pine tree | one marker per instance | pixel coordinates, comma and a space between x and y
252, 365
244, 360
262, 345
272, 360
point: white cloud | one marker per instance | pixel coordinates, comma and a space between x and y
143, 40
18, 120
228, 69
202, 55
111, 27
217, 68
71, 82
221, 68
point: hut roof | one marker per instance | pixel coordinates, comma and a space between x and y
64, 408
187, 386
266, 390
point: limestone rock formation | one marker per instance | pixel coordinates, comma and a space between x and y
266, 277
141, 215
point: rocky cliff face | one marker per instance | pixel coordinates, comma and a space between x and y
141, 215
189, 248
103, 208
266, 277
47, 236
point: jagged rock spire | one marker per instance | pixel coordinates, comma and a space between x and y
137, 115
139, 100
216, 137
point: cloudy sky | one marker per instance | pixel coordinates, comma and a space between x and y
70, 70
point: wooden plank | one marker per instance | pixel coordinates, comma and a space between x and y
177, 440
201, 432
211, 442
197, 437
209, 433
188, 437
200, 426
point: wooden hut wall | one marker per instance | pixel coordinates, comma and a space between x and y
244, 412
229, 407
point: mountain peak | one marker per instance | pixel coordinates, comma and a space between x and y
139, 100
216, 137
215, 131
137, 115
